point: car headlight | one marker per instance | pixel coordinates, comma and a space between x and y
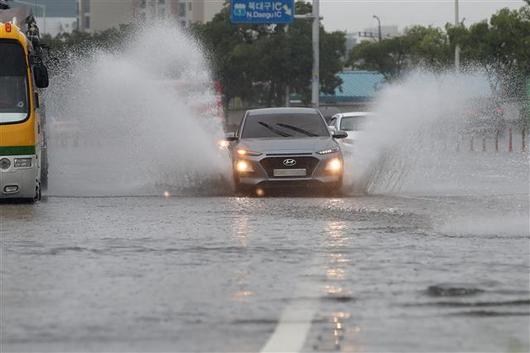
329, 150
245, 152
223, 144
243, 166
22, 162
334, 165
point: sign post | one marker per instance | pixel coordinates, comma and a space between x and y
262, 11
315, 83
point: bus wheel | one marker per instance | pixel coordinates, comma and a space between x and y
44, 178
38, 194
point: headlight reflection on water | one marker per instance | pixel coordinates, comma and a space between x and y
343, 332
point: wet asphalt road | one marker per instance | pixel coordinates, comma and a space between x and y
375, 273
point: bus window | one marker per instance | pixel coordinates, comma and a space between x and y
13, 83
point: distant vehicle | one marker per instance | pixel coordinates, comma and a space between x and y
352, 123
23, 159
328, 112
286, 147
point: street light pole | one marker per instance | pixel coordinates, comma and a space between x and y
315, 84
379, 27
457, 46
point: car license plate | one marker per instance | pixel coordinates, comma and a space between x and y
289, 172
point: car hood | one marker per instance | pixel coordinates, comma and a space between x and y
288, 145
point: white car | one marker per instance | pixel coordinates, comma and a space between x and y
352, 123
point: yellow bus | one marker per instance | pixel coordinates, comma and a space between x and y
23, 160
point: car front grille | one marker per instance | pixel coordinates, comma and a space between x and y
271, 163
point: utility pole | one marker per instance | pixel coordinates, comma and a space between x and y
315, 80
287, 88
315, 88
457, 47
379, 27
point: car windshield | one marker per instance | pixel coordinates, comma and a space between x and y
352, 123
13, 83
295, 125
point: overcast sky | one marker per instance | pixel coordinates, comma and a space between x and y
356, 15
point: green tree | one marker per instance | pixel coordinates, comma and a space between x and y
389, 57
259, 62
429, 47
420, 46
230, 53
500, 46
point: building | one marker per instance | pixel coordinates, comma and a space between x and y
358, 87
186, 12
53, 8
53, 16
99, 15
56, 25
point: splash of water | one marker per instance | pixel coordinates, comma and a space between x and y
421, 139
136, 122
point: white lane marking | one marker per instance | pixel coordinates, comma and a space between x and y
291, 332
295, 321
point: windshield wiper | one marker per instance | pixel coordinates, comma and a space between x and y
297, 129
276, 131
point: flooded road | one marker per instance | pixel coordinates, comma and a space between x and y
365, 273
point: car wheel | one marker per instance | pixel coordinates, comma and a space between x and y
335, 189
238, 188
38, 194
44, 177
241, 190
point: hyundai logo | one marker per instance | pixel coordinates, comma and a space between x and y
289, 162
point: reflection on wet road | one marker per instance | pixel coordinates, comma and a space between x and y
375, 273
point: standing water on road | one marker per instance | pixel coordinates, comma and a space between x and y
434, 258
445, 135
135, 120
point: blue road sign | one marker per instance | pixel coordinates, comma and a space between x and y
262, 11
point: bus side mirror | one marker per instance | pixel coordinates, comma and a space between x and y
40, 73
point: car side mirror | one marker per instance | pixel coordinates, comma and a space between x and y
340, 134
231, 137
332, 129
40, 73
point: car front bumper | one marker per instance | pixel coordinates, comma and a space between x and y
264, 165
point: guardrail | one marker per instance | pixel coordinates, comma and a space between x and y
509, 140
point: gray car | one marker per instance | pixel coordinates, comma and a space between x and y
287, 147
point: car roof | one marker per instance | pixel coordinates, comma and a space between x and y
282, 110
